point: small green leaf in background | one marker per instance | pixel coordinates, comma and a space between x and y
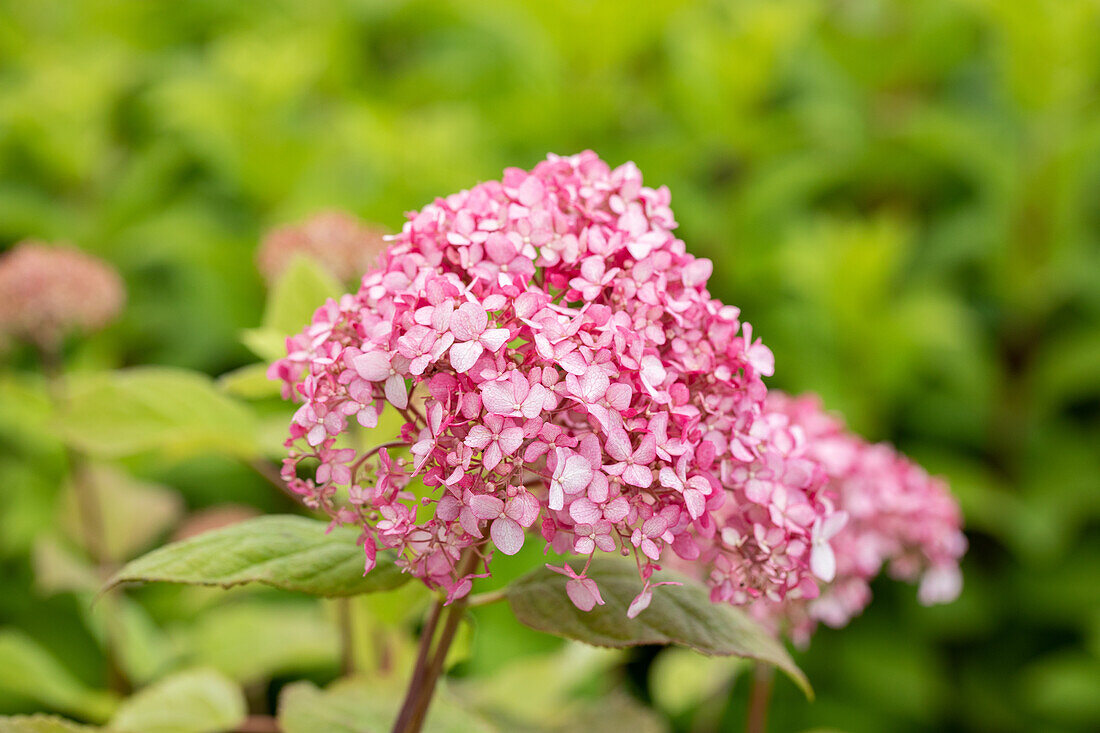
681, 681
302, 288
283, 551
131, 411
550, 683
300, 291
41, 724
57, 569
195, 701
144, 652
252, 640
355, 707
27, 670
134, 513
250, 382
678, 615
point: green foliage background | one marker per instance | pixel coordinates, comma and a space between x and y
902, 197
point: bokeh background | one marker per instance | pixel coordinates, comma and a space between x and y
902, 197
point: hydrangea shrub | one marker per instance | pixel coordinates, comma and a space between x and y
560, 368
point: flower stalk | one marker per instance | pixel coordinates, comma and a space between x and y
429, 660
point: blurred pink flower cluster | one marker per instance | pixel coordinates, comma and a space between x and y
558, 366
47, 291
891, 513
345, 246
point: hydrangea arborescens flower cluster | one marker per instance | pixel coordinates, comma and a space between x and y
891, 513
48, 291
560, 367
345, 246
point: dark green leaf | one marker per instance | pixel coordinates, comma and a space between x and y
681, 615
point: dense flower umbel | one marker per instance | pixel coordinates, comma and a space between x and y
559, 366
47, 291
343, 244
891, 512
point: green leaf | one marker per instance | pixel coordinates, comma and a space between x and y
195, 701
680, 681
283, 551
252, 640
250, 382
133, 411
58, 570
302, 288
355, 707
28, 670
41, 724
134, 513
681, 615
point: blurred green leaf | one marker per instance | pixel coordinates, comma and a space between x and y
29, 671
287, 552
58, 570
144, 409
551, 683
41, 724
681, 615
302, 288
140, 648
195, 701
252, 640
351, 707
681, 680
249, 382
134, 513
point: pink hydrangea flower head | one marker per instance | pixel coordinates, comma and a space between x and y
891, 514
345, 246
556, 360
48, 291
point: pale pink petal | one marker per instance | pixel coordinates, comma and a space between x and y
478, 437
464, 355
486, 507
823, 561
498, 397
507, 535
584, 511
396, 392
373, 366
494, 338
640, 603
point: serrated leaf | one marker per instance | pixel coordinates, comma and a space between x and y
681, 615
41, 724
352, 707
252, 640
195, 701
133, 411
283, 551
302, 288
134, 513
28, 670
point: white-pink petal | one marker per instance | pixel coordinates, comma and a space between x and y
464, 354
374, 366
507, 535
